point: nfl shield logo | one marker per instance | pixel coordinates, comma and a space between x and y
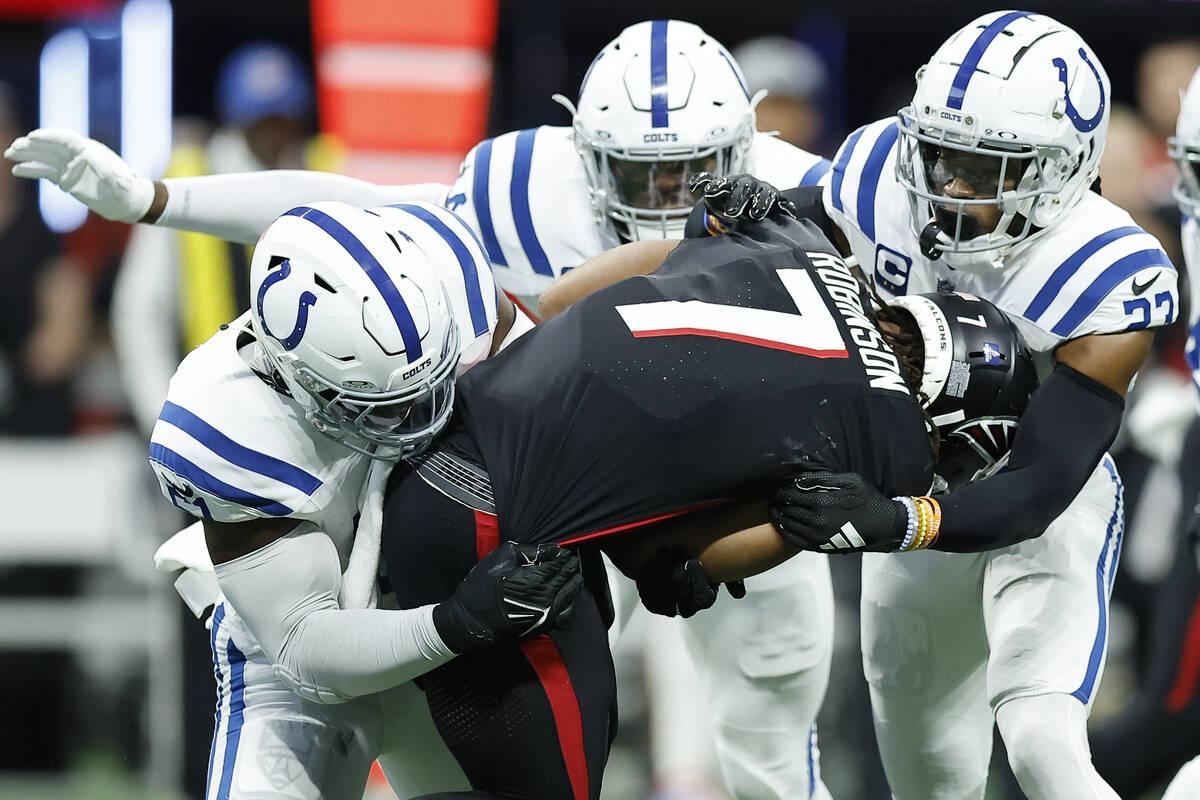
991, 353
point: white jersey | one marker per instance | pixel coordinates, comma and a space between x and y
229, 446
527, 194
1095, 272
1191, 258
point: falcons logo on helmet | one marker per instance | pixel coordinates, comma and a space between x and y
990, 437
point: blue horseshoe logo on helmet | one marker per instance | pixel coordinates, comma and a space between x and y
1081, 124
307, 299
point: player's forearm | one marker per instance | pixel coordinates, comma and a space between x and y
287, 592
239, 206
1069, 424
611, 266
345, 653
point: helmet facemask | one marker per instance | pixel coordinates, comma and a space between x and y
1014, 178
642, 192
1186, 154
385, 425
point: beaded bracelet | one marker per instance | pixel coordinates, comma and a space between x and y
910, 530
924, 522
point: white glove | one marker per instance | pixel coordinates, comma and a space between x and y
93, 174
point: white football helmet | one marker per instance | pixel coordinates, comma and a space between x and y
351, 316
1016, 105
661, 102
1184, 147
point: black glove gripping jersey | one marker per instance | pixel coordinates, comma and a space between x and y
743, 358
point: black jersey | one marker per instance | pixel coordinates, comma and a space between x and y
742, 358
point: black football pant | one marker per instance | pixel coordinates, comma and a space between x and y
1160, 729
528, 721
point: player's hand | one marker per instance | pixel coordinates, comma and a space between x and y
740, 197
515, 590
89, 171
675, 583
836, 512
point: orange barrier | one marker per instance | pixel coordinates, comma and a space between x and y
404, 81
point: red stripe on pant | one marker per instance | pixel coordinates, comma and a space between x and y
487, 533
1188, 676
544, 657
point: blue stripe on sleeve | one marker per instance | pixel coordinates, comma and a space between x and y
1108, 280
839, 168
375, 271
237, 710
214, 486
466, 263
958, 88
234, 453
483, 203
868, 184
1084, 693
519, 195
1063, 273
658, 73
816, 172
218, 618
812, 762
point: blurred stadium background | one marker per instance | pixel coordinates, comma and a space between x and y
105, 675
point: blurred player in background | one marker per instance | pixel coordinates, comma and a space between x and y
181, 286
46, 312
985, 184
659, 104
1167, 707
793, 77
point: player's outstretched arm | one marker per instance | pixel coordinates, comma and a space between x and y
611, 266
286, 591
1071, 420
236, 207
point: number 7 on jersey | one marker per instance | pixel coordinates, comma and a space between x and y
812, 331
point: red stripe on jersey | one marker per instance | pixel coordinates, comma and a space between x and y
1188, 675
736, 337
583, 537
546, 660
536, 319
487, 533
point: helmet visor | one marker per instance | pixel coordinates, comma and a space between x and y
657, 185
973, 174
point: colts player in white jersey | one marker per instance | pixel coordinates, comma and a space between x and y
662, 101
984, 184
359, 324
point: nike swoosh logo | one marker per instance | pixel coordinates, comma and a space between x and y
1138, 288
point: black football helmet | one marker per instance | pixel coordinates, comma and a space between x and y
977, 379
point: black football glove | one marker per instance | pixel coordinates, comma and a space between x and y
675, 583
515, 590
740, 197
837, 512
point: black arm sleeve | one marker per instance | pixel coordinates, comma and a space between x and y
1069, 423
808, 204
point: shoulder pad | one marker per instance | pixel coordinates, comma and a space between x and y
783, 165
1095, 272
526, 194
228, 447
862, 163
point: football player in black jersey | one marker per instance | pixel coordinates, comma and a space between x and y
679, 397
